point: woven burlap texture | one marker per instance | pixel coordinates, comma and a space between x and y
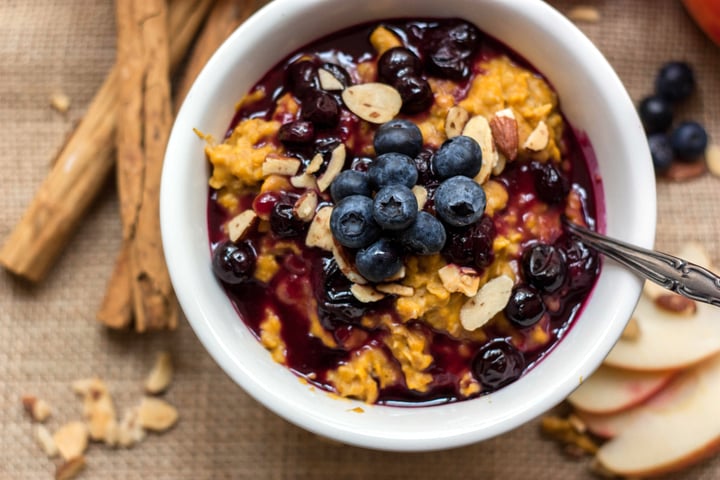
48, 336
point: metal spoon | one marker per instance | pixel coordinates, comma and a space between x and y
673, 273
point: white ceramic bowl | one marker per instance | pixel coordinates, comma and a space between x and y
594, 101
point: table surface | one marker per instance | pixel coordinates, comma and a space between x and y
48, 335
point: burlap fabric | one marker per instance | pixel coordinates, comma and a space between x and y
48, 336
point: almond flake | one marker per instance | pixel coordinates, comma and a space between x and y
156, 414
478, 129
45, 440
373, 102
680, 171
455, 121
130, 430
499, 165
319, 234
505, 133
583, 13
346, 267
275, 165
70, 469
396, 289
71, 439
159, 378
538, 138
460, 279
315, 163
366, 293
305, 206
304, 180
328, 80
632, 330
38, 409
240, 224
676, 304
488, 302
98, 407
712, 158
421, 195
398, 276
335, 166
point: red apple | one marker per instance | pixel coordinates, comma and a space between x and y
707, 15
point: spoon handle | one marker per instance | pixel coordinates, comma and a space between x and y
673, 273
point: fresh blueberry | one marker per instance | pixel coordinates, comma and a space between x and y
656, 113
415, 92
544, 267
497, 364
675, 81
525, 307
233, 264
352, 223
460, 155
688, 141
339, 73
550, 184
321, 108
283, 221
395, 207
661, 152
398, 136
379, 261
425, 236
393, 169
397, 62
459, 201
299, 131
301, 78
350, 182
471, 246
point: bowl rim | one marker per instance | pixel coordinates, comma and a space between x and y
353, 429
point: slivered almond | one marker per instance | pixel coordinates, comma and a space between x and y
488, 302
677, 304
396, 289
70, 468
346, 267
455, 121
460, 279
632, 330
304, 180
277, 165
319, 234
478, 129
156, 414
421, 195
71, 439
366, 293
315, 163
335, 166
373, 102
45, 440
505, 133
240, 224
328, 80
159, 378
98, 407
538, 138
304, 208
712, 158
680, 171
38, 408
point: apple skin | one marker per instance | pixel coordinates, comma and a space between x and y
706, 14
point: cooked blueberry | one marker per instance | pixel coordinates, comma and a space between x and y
423, 163
321, 108
449, 49
675, 81
395, 207
361, 164
416, 94
352, 223
336, 303
544, 267
283, 221
661, 152
338, 72
497, 364
233, 264
525, 307
398, 136
471, 246
425, 236
299, 131
582, 262
379, 261
688, 141
301, 78
350, 182
550, 184
656, 113
397, 62
459, 201
447, 60
392, 169
460, 155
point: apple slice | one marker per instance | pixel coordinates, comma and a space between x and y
611, 390
672, 430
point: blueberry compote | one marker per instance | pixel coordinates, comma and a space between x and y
321, 324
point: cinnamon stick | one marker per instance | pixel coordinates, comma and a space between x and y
83, 164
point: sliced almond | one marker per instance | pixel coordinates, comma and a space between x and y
328, 81
455, 121
505, 133
373, 102
71, 439
98, 407
674, 303
632, 330
319, 234
159, 378
396, 289
712, 158
583, 13
305, 180
335, 166
538, 138
346, 267
398, 276
478, 129
421, 195
315, 163
682, 171
70, 469
38, 408
366, 293
240, 224
488, 302
45, 439
277, 165
304, 208
130, 430
460, 279
156, 414
499, 165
